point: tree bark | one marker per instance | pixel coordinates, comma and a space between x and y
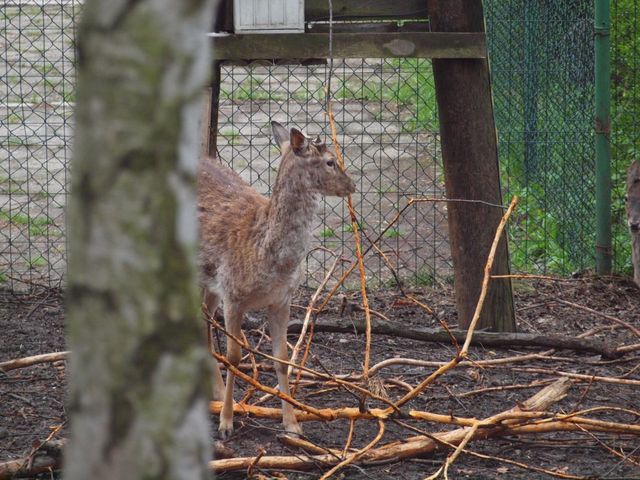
139, 369
470, 156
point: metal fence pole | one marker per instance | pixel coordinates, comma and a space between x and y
602, 137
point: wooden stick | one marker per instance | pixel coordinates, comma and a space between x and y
310, 309
28, 361
358, 245
307, 446
486, 339
305, 325
410, 202
487, 276
476, 316
352, 413
527, 276
325, 376
359, 454
578, 376
410, 448
240, 374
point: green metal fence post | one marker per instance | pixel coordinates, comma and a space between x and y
602, 137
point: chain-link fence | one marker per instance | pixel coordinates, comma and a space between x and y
387, 127
625, 114
542, 68
542, 64
36, 103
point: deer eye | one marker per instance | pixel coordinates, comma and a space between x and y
331, 163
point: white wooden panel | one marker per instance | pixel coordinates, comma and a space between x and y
265, 16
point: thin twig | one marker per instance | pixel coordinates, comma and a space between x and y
358, 247
476, 316
305, 325
627, 325
355, 456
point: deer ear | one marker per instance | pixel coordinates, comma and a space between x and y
299, 141
279, 133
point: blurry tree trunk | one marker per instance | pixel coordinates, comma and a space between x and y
139, 369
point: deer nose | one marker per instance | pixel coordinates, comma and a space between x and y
634, 227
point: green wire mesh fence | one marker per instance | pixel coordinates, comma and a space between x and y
542, 63
625, 116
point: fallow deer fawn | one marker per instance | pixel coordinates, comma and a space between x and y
633, 216
252, 247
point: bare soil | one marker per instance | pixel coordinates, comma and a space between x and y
32, 399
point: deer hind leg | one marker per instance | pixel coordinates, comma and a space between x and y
278, 320
211, 301
233, 324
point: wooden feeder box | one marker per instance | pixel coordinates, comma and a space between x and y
268, 16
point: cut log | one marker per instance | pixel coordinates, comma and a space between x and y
483, 339
34, 360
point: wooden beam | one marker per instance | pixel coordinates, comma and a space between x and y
470, 157
318, 10
349, 45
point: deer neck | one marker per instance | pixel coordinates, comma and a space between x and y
289, 221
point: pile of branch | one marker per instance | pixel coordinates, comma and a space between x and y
530, 417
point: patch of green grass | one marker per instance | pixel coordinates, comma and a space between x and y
69, 97
11, 187
38, 261
387, 189
348, 227
43, 194
232, 136
303, 94
37, 225
413, 88
392, 233
44, 69
3, 277
14, 141
328, 233
14, 118
252, 89
423, 278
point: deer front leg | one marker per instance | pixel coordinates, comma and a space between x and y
233, 324
211, 301
278, 320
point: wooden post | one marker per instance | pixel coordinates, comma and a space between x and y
470, 155
209, 143
223, 22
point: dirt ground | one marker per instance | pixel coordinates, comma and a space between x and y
32, 399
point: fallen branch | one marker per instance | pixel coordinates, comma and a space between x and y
28, 361
352, 413
48, 457
397, 450
611, 318
486, 339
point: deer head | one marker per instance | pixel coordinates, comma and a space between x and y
311, 163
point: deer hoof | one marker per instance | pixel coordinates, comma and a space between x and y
225, 430
295, 430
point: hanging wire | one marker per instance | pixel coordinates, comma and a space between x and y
330, 69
